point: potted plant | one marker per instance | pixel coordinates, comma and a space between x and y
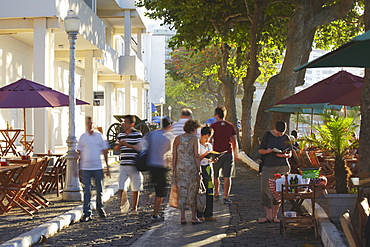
334, 137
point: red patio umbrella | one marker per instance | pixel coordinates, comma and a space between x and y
28, 94
327, 90
352, 98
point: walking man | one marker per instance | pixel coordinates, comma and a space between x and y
224, 139
127, 144
178, 127
90, 146
159, 145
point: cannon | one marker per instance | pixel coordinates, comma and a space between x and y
114, 129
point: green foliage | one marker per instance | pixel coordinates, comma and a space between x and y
339, 32
193, 67
334, 136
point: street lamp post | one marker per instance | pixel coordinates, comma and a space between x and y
73, 190
161, 101
169, 111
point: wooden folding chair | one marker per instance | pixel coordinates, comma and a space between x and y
27, 143
364, 212
31, 193
350, 230
12, 193
53, 179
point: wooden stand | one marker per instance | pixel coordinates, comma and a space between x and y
296, 194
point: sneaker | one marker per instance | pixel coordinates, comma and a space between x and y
134, 212
86, 218
156, 218
216, 198
227, 201
211, 218
102, 214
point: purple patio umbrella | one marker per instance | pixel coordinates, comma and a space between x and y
28, 94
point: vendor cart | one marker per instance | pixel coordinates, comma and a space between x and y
297, 217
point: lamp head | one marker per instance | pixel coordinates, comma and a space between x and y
161, 100
71, 22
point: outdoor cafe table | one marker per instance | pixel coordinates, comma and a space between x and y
10, 136
7, 172
45, 154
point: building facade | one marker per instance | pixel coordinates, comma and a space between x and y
112, 60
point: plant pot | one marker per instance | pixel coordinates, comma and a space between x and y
339, 203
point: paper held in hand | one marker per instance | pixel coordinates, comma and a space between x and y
276, 150
214, 155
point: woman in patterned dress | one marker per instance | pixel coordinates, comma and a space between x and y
186, 168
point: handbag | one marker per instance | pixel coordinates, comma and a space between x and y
201, 197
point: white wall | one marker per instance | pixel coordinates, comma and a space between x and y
156, 66
16, 59
60, 114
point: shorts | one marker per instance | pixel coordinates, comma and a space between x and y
160, 181
130, 176
226, 162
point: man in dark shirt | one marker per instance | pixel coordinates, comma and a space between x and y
127, 144
224, 139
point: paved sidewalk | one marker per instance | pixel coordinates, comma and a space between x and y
244, 230
237, 224
171, 233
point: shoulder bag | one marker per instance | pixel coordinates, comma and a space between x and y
141, 161
201, 197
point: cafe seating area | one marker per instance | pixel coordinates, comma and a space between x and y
318, 159
25, 180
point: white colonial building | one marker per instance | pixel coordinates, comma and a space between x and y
114, 53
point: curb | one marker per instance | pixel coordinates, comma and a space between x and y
327, 230
56, 224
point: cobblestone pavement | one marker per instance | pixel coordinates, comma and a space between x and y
116, 230
247, 209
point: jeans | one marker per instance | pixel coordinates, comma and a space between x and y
98, 176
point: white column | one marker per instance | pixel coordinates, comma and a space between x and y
140, 101
127, 31
90, 82
43, 55
109, 104
127, 95
139, 44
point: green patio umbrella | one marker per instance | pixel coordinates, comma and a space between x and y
312, 109
355, 53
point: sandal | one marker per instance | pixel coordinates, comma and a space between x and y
275, 220
264, 220
183, 221
195, 221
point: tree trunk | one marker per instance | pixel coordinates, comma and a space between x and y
228, 85
252, 74
230, 95
341, 172
308, 15
247, 102
365, 109
263, 118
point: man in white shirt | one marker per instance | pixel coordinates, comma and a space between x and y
178, 127
90, 146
